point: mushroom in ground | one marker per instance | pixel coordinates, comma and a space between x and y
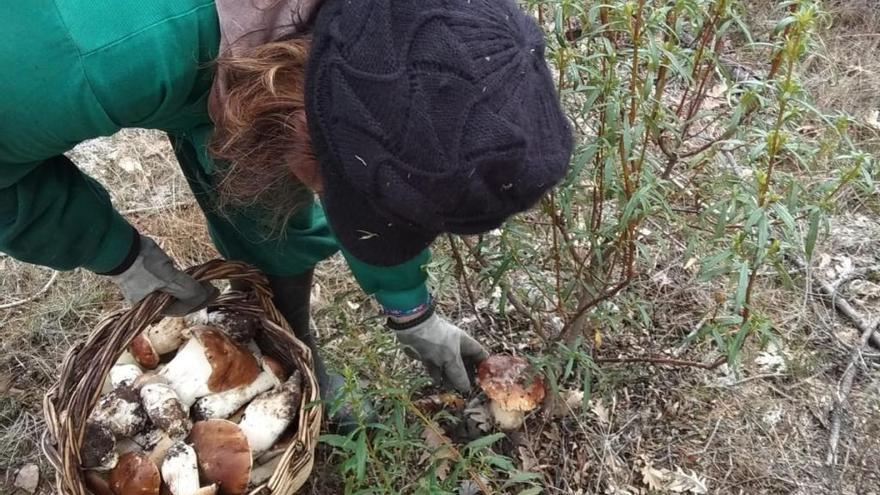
209, 363
180, 471
164, 408
98, 451
223, 454
266, 418
512, 389
135, 474
121, 411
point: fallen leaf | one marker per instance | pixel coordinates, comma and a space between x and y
440, 450
479, 414
569, 402
28, 478
683, 482
654, 478
528, 462
601, 411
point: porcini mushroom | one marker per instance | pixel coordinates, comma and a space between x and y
180, 471
168, 335
240, 327
224, 404
144, 352
164, 408
223, 455
275, 367
121, 411
512, 387
135, 474
209, 363
124, 375
98, 450
97, 484
266, 418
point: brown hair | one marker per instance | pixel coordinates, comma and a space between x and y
261, 132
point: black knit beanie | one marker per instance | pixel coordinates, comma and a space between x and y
427, 117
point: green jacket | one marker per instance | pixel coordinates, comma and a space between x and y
78, 69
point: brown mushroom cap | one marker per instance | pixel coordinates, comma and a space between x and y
510, 381
276, 368
135, 474
143, 352
223, 454
232, 365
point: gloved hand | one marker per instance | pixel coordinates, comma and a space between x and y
446, 350
153, 270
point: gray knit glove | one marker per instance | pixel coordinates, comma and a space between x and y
446, 350
152, 271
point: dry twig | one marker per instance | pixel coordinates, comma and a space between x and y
842, 305
843, 391
34, 296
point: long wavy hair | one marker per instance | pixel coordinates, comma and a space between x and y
261, 136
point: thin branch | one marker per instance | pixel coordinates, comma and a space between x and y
34, 296
660, 360
151, 209
843, 391
841, 304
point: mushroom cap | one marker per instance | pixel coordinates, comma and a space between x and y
509, 380
144, 353
135, 474
275, 366
99, 447
233, 365
224, 455
167, 335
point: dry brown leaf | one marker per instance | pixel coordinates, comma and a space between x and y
441, 452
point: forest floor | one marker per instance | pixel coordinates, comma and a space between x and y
763, 427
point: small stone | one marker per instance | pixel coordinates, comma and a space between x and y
28, 478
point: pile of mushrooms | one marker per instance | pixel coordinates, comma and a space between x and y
193, 408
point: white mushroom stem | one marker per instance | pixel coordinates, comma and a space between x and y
188, 373
160, 450
124, 375
180, 470
224, 404
506, 420
165, 410
266, 418
209, 363
121, 412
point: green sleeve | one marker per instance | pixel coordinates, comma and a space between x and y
52, 214
397, 288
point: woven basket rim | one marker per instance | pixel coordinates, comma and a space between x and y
68, 402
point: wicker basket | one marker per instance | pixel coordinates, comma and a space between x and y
69, 402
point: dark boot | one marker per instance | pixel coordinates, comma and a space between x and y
292, 297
